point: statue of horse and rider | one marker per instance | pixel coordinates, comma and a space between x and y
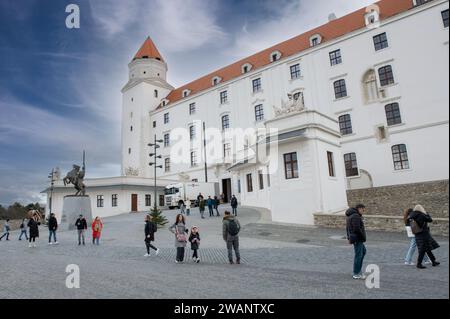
75, 177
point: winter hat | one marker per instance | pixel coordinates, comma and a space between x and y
419, 208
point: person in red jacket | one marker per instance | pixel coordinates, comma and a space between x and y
97, 227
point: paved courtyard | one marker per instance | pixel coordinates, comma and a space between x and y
279, 262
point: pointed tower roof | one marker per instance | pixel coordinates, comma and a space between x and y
148, 50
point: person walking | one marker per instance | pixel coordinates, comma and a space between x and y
356, 235
234, 205
6, 229
182, 207
97, 227
199, 197
210, 204
419, 220
230, 232
180, 230
33, 225
52, 227
216, 205
194, 239
23, 229
201, 207
150, 230
412, 238
81, 225
188, 207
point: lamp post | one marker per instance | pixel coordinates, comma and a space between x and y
52, 182
154, 155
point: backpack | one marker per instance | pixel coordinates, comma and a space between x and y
415, 228
233, 228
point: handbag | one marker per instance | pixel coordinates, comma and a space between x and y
415, 228
409, 232
180, 237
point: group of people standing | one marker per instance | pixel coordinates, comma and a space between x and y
211, 203
230, 232
416, 223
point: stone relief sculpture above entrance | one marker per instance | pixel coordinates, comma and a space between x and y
294, 104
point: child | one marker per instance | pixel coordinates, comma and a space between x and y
194, 239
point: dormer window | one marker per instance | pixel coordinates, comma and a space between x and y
246, 68
216, 80
164, 102
275, 56
315, 40
186, 93
372, 17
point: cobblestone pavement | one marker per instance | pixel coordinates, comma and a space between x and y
279, 262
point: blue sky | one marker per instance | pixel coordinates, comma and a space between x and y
60, 88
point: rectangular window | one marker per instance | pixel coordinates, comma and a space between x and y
154, 124
400, 157
256, 85
225, 122
261, 179
148, 200
191, 108
223, 97
166, 140
114, 200
268, 177
249, 183
340, 89
161, 200
295, 71
290, 165
335, 57
259, 113
445, 18
345, 124
100, 200
239, 186
393, 114
193, 159
351, 165
330, 159
386, 75
192, 132
227, 150
380, 41
166, 118
167, 164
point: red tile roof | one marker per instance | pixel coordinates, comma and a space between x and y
148, 50
332, 30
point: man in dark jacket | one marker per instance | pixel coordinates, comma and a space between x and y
356, 235
234, 204
52, 227
81, 227
230, 233
150, 230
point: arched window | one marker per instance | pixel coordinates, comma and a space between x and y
216, 80
246, 68
370, 86
345, 124
275, 56
156, 93
400, 157
393, 114
316, 39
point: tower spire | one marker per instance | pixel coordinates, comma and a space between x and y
148, 50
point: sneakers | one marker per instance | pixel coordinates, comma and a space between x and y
362, 276
34, 245
147, 255
157, 252
50, 243
56, 243
410, 263
231, 262
427, 262
194, 259
30, 245
198, 260
238, 261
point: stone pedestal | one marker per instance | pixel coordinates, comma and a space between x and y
73, 207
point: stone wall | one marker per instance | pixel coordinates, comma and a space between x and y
385, 205
379, 223
392, 200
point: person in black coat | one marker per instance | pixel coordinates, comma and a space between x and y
33, 225
425, 243
81, 225
234, 205
52, 227
356, 235
194, 239
150, 230
216, 205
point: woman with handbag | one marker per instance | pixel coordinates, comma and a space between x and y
419, 220
412, 237
180, 230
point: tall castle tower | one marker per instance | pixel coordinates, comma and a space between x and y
145, 89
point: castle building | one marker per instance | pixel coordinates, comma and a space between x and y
357, 103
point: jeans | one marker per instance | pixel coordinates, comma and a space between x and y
422, 255
233, 243
202, 212
23, 232
96, 240
412, 250
360, 252
195, 254
217, 210
50, 233
188, 211
211, 212
182, 209
234, 211
180, 253
5, 234
148, 245
80, 235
